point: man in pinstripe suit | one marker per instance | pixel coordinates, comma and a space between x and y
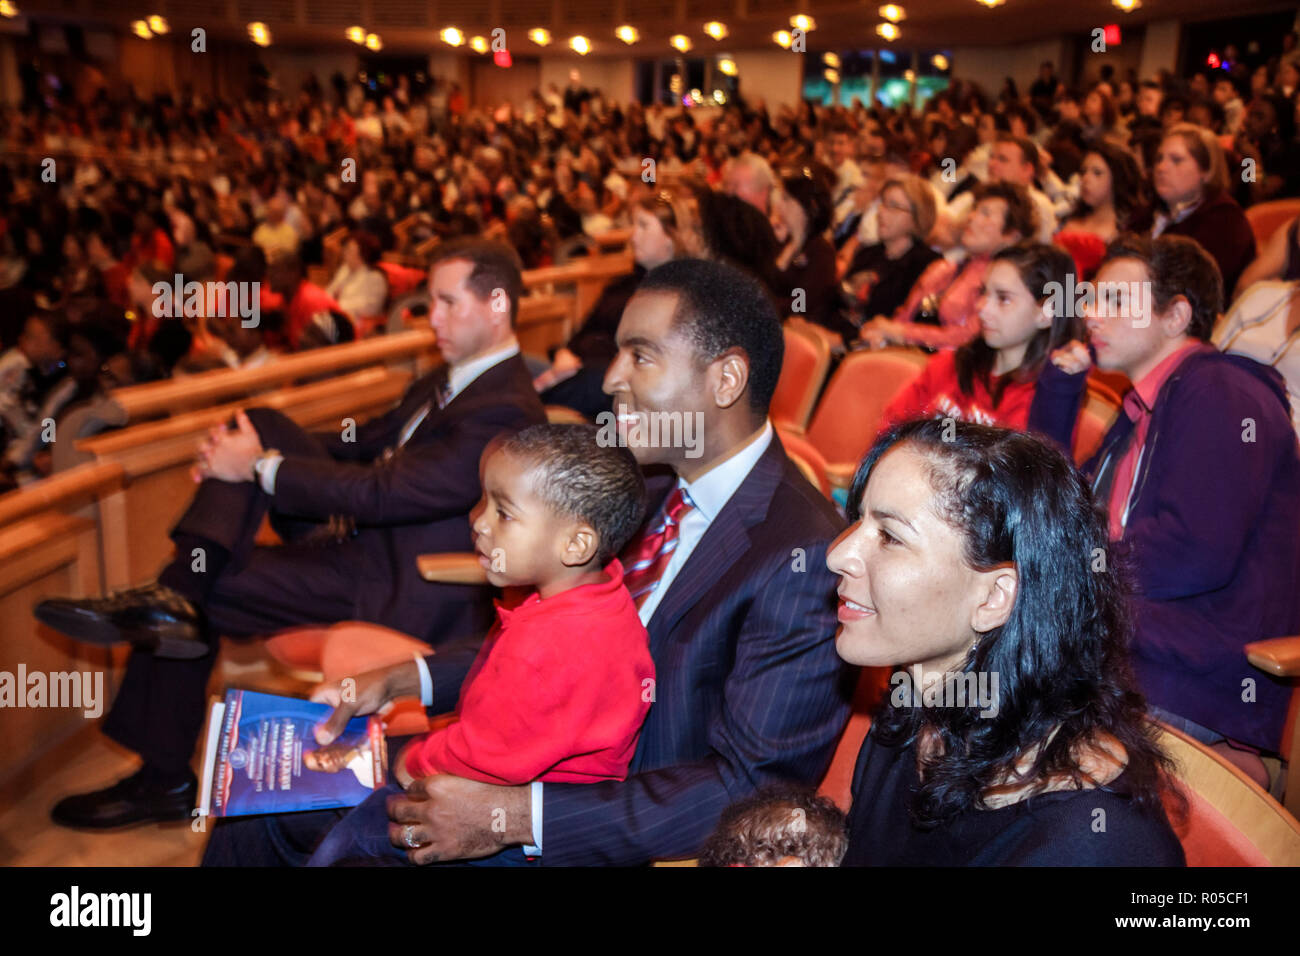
741, 619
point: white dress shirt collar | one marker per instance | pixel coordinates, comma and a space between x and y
712, 490
461, 374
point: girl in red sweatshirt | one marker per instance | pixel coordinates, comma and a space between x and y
994, 380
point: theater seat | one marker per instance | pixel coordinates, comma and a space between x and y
1265, 218
1280, 656
848, 416
806, 458
1230, 820
803, 372
1095, 418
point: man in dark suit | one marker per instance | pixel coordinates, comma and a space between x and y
738, 603
356, 509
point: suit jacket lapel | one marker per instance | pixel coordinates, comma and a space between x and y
497, 380
726, 539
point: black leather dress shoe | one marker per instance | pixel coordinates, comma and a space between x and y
131, 801
152, 618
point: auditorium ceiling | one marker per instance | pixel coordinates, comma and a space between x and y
413, 25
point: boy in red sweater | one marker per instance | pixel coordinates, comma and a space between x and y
563, 682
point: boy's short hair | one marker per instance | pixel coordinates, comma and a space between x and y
1177, 266
778, 821
577, 476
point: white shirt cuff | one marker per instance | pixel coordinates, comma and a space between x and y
536, 848
266, 469
426, 681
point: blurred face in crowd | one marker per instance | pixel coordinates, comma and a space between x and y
744, 183
906, 594
230, 329
896, 216
1068, 110
788, 219
1260, 119
1010, 315
1007, 165
465, 324
352, 254
657, 370
1092, 108
841, 148
1199, 85
1018, 126
1148, 102
651, 245
873, 141
988, 128
1178, 178
1259, 80
1125, 331
41, 348
1095, 184
83, 360
985, 230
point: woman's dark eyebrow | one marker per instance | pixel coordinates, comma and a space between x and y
877, 514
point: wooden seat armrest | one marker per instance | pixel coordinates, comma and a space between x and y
452, 567
1277, 655
841, 474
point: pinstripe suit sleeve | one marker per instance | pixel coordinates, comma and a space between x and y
784, 705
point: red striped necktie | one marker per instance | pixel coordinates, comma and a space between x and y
648, 560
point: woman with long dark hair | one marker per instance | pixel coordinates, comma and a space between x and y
1011, 727
1111, 193
994, 379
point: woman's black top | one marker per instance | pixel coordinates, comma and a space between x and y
894, 277
1098, 827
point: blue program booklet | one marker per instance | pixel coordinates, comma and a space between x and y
261, 756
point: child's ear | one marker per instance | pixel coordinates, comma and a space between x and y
580, 546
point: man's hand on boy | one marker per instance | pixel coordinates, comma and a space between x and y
452, 818
367, 693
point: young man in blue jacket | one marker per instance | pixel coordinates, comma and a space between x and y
1201, 477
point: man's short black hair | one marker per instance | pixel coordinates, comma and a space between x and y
578, 476
719, 307
496, 266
